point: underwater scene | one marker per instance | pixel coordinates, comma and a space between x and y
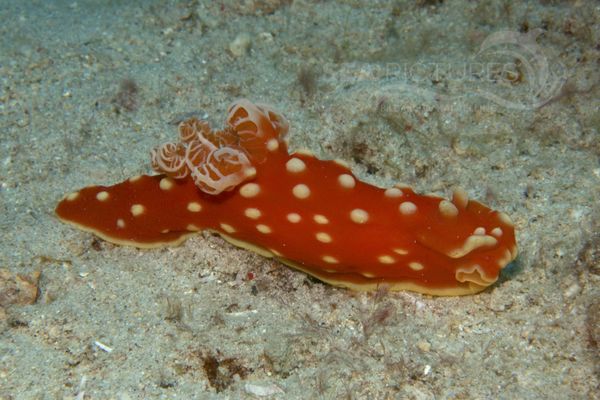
299, 199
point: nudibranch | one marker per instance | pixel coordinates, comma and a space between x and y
313, 215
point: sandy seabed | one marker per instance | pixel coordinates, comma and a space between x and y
500, 99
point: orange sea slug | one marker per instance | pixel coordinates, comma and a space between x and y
313, 215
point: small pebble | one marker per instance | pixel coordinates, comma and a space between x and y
263, 390
427, 370
240, 45
572, 290
424, 346
18, 289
